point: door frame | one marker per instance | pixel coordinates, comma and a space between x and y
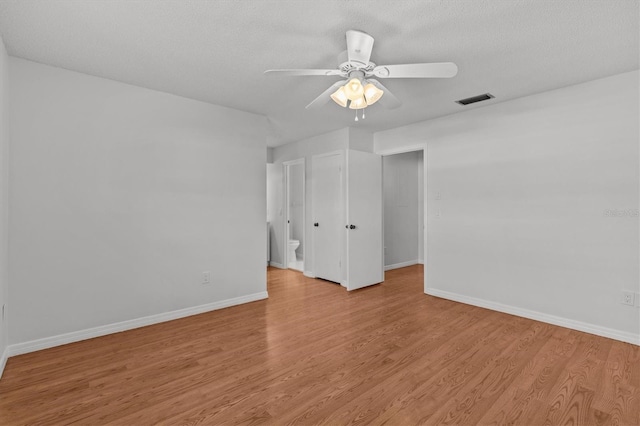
287, 215
402, 150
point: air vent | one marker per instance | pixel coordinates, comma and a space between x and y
474, 99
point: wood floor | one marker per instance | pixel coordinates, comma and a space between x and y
314, 354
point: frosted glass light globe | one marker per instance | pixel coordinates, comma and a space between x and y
372, 94
353, 89
340, 97
358, 103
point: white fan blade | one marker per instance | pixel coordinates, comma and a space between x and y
359, 46
388, 99
433, 70
303, 72
342, 57
325, 96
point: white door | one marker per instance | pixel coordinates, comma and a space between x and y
328, 216
365, 263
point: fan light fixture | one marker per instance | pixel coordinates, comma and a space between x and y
359, 96
359, 87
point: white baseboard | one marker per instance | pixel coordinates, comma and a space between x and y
400, 265
420, 261
308, 274
90, 333
539, 316
277, 265
3, 360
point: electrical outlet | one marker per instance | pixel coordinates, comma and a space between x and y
206, 277
628, 298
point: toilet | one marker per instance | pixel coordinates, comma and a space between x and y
293, 245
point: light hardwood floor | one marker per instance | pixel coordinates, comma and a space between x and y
314, 354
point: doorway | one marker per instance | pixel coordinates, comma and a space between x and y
295, 241
404, 214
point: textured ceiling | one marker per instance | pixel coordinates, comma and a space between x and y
216, 51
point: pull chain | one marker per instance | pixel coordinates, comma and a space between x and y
363, 116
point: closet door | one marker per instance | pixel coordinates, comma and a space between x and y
328, 216
365, 265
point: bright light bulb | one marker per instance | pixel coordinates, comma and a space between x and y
340, 97
353, 89
358, 103
372, 94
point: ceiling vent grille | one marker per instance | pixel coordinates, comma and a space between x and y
474, 99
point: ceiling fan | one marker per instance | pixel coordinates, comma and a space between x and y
361, 88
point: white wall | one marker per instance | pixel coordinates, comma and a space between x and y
525, 185
4, 199
401, 208
296, 206
274, 211
121, 197
421, 207
360, 139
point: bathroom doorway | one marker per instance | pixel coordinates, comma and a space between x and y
294, 172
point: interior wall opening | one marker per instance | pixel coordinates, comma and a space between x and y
403, 204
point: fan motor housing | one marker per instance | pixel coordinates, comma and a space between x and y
349, 67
